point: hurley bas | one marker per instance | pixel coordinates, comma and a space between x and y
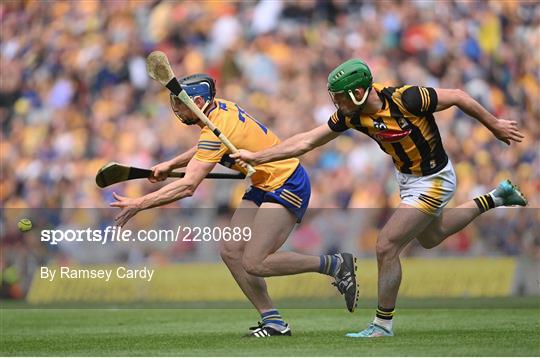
122, 272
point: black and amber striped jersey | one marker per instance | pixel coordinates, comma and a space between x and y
404, 128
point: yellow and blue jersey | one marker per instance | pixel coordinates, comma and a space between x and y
282, 181
244, 132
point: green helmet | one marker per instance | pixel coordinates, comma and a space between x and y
350, 75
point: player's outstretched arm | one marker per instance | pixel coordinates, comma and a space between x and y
505, 130
290, 148
179, 189
160, 171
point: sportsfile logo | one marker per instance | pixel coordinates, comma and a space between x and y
118, 234
109, 234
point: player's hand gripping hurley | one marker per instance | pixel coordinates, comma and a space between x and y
159, 69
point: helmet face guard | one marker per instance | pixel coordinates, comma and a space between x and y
351, 96
175, 104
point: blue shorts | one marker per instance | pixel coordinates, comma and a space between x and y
294, 194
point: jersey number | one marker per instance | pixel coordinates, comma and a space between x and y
242, 116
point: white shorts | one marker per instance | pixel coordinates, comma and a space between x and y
430, 193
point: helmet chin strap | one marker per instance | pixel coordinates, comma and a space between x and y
363, 100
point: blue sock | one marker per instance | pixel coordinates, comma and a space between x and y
272, 317
330, 264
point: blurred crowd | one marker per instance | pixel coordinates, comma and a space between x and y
74, 95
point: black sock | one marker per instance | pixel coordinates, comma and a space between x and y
385, 313
484, 202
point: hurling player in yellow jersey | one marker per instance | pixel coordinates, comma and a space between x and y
401, 121
276, 201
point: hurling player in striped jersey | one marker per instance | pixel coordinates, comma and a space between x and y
401, 121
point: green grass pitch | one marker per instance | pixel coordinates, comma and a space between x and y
475, 327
